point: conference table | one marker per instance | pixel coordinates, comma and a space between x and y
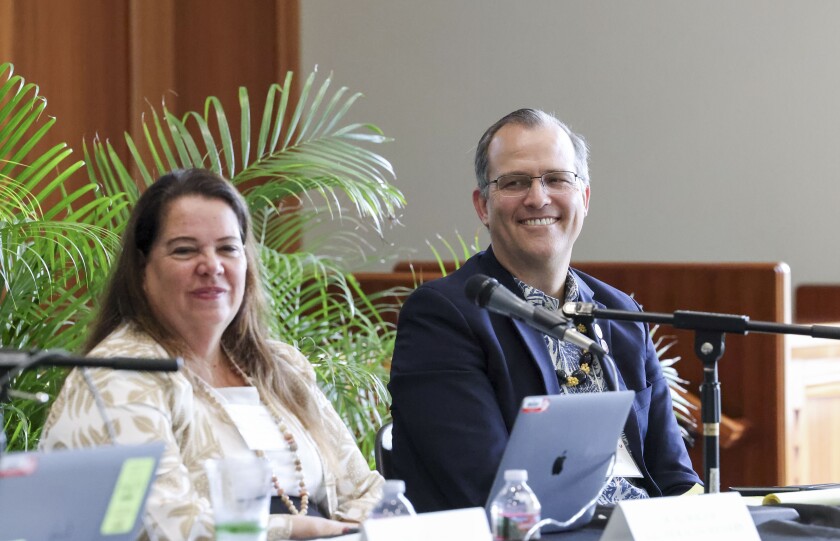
787, 522
774, 523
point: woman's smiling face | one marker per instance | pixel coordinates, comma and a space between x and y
194, 276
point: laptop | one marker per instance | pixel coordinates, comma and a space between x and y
566, 443
85, 494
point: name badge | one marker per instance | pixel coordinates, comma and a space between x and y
625, 466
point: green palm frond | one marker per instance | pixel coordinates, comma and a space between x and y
300, 164
55, 245
311, 154
457, 256
321, 310
24, 419
355, 382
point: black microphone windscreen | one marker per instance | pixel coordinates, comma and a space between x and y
479, 288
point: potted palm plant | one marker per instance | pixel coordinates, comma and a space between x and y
295, 163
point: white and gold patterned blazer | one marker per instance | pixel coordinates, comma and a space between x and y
176, 408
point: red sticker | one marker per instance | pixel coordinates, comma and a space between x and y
535, 404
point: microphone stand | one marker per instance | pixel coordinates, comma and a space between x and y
709, 343
15, 362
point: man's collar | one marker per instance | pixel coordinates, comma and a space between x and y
494, 267
572, 292
585, 292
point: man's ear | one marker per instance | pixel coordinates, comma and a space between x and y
586, 193
480, 204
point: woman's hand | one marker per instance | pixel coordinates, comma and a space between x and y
303, 527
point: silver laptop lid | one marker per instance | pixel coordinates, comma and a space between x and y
566, 442
83, 494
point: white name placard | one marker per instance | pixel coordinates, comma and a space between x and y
457, 525
722, 517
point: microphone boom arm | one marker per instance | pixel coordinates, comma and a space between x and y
709, 345
696, 321
15, 362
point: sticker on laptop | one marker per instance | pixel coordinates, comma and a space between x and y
534, 404
17, 464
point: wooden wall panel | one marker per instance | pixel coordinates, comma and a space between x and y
151, 61
287, 24
218, 42
817, 303
102, 63
75, 51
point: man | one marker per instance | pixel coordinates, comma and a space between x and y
459, 372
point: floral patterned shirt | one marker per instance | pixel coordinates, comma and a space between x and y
176, 408
567, 357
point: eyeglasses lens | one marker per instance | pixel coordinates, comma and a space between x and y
557, 182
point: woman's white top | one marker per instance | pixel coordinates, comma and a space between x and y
260, 432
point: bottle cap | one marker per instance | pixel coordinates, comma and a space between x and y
516, 475
394, 486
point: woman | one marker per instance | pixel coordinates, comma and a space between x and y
187, 284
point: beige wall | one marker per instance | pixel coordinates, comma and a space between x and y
714, 126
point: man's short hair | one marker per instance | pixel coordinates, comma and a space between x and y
529, 118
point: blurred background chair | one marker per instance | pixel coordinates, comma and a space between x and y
382, 451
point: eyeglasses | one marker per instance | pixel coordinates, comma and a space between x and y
553, 182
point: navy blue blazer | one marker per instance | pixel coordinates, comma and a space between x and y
459, 374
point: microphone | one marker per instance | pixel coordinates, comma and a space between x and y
14, 362
12, 359
487, 293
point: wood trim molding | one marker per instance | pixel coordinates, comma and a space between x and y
7, 13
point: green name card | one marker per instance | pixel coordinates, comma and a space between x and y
127, 498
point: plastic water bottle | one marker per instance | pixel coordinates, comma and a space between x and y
393, 502
515, 509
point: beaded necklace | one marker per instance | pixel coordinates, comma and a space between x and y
293, 447
582, 374
579, 376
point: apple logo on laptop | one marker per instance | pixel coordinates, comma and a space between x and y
558, 464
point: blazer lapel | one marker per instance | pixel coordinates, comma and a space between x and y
535, 344
533, 339
599, 330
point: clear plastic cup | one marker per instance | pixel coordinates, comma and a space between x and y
240, 492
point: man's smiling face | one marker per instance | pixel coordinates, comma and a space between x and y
539, 228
